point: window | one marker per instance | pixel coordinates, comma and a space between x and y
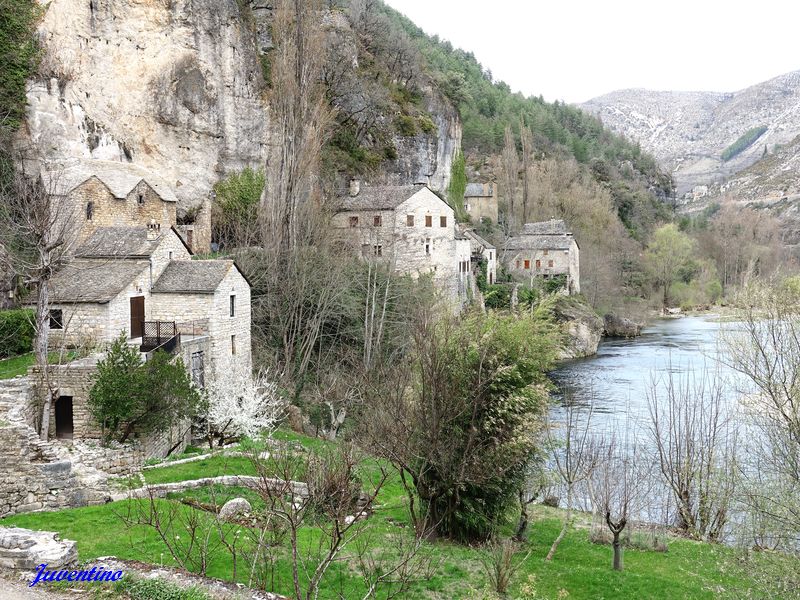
377, 250
549, 263
89, 211
377, 221
198, 369
527, 264
233, 344
353, 221
409, 220
56, 319
140, 199
518, 264
170, 254
442, 221
538, 264
233, 305
428, 221
466, 206
546, 252
428, 246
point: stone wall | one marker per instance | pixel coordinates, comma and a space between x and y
109, 211
481, 207
551, 262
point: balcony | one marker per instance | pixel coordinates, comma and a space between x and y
160, 335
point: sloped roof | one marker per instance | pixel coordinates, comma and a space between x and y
478, 240
94, 281
119, 177
533, 242
385, 197
192, 276
551, 227
118, 242
475, 190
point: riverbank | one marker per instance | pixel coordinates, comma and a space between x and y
580, 567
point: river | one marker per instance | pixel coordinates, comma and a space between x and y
617, 379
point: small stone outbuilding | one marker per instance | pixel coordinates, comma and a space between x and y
480, 201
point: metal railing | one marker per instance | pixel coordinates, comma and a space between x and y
161, 335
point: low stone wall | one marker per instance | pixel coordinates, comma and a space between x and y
160, 490
116, 459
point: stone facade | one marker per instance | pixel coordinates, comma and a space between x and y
480, 201
141, 206
545, 250
483, 251
416, 236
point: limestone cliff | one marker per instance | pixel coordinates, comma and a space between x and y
176, 87
173, 86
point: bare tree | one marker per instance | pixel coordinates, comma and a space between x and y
574, 455
526, 140
695, 440
37, 233
509, 162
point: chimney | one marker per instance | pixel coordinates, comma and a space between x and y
355, 187
153, 230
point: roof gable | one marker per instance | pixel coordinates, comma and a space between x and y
118, 177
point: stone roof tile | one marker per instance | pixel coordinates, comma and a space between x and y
94, 281
192, 276
119, 177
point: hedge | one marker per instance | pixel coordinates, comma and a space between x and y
16, 332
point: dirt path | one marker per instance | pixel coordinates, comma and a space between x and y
17, 590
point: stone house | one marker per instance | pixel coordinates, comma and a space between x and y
115, 194
483, 251
409, 228
545, 249
143, 282
480, 201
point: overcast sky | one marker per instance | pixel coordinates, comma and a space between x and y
575, 50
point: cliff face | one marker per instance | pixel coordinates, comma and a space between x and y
176, 86
173, 86
688, 131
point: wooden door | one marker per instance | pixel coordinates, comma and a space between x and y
137, 316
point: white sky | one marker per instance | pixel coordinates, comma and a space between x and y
575, 50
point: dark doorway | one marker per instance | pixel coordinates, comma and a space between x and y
64, 426
137, 316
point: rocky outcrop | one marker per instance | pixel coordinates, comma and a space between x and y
580, 326
23, 549
175, 87
616, 326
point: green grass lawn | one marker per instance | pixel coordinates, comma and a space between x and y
688, 570
18, 365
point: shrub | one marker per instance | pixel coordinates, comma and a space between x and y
406, 125
497, 296
426, 124
16, 332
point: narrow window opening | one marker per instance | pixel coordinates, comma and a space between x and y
353, 221
409, 220
233, 305
89, 210
377, 221
233, 344
140, 199
442, 221
56, 319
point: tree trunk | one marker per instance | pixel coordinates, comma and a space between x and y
40, 351
522, 524
562, 533
617, 552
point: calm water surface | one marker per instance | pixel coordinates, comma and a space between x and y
617, 379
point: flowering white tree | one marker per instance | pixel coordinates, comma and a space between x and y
242, 404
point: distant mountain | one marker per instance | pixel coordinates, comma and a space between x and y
690, 132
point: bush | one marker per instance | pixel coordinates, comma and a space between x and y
16, 332
426, 124
406, 125
497, 296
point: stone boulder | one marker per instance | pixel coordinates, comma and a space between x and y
616, 326
579, 324
24, 549
234, 508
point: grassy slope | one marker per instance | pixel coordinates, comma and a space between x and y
688, 570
